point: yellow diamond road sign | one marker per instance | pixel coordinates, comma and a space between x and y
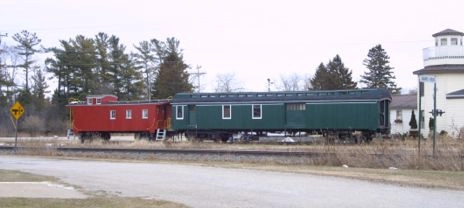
17, 110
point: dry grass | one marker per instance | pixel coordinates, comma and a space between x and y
91, 202
17, 176
98, 202
381, 153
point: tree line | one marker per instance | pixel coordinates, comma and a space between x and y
85, 66
101, 64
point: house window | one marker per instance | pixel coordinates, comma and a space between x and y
226, 112
179, 112
257, 112
112, 114
454, 41
128, 114
444, 41
145, 114
99, 101
399, 116
89, 101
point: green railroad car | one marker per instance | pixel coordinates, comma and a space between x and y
336, 112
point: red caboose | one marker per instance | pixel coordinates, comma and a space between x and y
101, 115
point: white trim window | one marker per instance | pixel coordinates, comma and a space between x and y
257, 112
99, 101
226, 112
113, 114
128, 114
144, 113
179, 112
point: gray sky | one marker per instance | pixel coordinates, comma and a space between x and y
255, 40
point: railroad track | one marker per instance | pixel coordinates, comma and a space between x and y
173, 151
217, 152
195, 151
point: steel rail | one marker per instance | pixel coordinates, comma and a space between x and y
195, 151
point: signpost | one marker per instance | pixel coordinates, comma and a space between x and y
16, 111
430, 79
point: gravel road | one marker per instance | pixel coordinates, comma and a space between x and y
200, 186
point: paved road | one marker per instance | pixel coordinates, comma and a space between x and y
199, 186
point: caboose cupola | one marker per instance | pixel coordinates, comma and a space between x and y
100, 99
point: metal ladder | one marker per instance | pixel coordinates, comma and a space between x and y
160, 134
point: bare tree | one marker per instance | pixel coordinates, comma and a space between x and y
227, 83
293, 82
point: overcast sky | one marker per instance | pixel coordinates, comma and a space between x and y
255, 40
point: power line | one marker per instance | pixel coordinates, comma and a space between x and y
197, 74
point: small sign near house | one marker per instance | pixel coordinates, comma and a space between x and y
426, 78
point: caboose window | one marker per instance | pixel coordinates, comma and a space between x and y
112, 114
145, 114
99, 101
257, 112
128, 114
179, 112
226, 112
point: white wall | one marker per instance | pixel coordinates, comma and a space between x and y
403, 127
453, 119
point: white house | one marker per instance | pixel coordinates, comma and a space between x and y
401, 109
445, 63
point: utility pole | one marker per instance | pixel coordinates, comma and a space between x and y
198, 74
269, 84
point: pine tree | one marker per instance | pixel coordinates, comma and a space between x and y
126, 80
333, 76
172, 76
413, 121
320, 79
103, 65
340, 75
39, 88
146, 60
380, 74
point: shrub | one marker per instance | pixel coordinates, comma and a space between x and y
33, 125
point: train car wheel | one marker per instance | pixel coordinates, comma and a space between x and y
105, 136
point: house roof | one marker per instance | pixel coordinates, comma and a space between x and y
448, 32
440, 69
455, 95
404, 101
